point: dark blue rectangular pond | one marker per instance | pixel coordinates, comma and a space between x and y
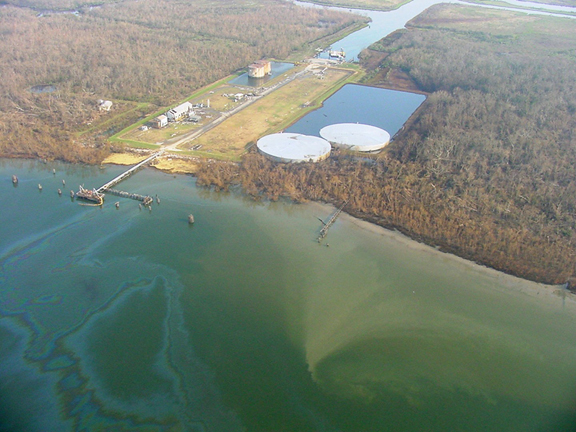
383, 108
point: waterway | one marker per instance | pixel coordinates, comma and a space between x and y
384, 23
135, 320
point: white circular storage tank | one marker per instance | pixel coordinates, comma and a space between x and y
357, 137
294, 147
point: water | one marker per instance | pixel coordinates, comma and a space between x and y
43, 89
384, 23
381, 25
123, 318
383, 108
277, 69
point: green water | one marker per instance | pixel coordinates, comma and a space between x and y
125, 319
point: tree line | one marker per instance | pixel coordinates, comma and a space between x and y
147, 51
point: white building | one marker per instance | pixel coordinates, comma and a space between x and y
104, 105
180, 111
161, 121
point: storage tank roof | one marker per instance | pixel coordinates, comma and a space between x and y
355, 136
294, 147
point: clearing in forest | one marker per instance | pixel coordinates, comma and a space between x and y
270, 114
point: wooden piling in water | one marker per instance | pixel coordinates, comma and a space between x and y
327, 225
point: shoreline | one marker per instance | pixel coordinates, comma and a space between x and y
172, 164
178, 166
537, 290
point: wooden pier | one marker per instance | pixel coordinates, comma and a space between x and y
327, 225
98, 194
146, 199
128, 173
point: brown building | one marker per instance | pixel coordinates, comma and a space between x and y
259, 69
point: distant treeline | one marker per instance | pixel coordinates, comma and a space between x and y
152, 51
487, 168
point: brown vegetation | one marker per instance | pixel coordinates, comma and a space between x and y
486, 170
147, 51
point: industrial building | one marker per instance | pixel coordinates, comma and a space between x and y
293, 147
259, 69
160, 121
180, 111
356, 137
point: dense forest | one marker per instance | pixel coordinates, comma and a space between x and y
486, 168
141, 55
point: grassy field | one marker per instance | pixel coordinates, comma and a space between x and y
500, 25
504, 4
221, 100
134, 137
271, 114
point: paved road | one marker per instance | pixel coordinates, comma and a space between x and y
224, 115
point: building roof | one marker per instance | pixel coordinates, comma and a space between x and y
293, 147
355, 136
260, 63
182, 108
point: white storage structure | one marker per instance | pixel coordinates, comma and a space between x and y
293, 147
356, 137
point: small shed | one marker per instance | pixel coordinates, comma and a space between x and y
104, 105
160, 121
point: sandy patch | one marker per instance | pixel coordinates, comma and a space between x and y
176, 165
124, 159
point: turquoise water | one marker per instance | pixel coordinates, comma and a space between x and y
134, 320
